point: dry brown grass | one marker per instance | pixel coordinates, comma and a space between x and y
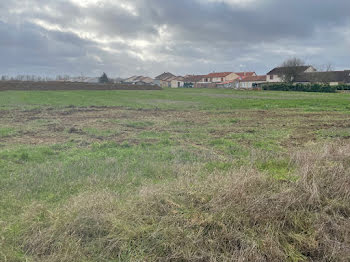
238, 216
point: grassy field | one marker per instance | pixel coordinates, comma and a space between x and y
174, 175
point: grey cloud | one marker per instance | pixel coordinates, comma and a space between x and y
203, 36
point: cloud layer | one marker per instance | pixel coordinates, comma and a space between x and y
123, 38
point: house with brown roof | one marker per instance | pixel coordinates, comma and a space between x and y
164, 75
276, 75
329, 77
252, 81
193, 80
220, 77
164, 80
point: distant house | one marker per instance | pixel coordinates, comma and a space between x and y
193, 80
147, 80
177, 82
220, 77
129, 80
252, 81
276, 74
138, 80
330, 77
243, 75
164, 80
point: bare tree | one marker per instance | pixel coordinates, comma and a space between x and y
323, 74
325, 67
290, 69
328, 67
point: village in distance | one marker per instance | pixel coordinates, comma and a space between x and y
293, 71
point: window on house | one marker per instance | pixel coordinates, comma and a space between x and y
222, 79
271, 77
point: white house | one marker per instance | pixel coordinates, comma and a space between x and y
164, 79
176, 82
252, 81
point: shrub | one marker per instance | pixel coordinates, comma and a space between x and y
103, 79
300, 87
343, 87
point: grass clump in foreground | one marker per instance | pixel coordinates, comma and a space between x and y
241, 215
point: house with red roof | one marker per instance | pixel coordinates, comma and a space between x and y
245, 74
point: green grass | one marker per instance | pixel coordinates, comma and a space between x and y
139, 125
280, 169
181, 99
7, 131
99, 132
335, 133
177, 174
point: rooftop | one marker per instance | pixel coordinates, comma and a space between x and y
254, 78
164, 76
194, 78
281, 70
245, 74
330, 76
221, 74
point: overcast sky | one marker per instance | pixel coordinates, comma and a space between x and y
148, 37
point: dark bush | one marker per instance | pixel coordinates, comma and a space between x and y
300, 87
103, 79
343, 87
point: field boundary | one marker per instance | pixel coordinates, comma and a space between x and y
69, 86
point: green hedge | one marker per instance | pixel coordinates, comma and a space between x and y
343, 87
300, 87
